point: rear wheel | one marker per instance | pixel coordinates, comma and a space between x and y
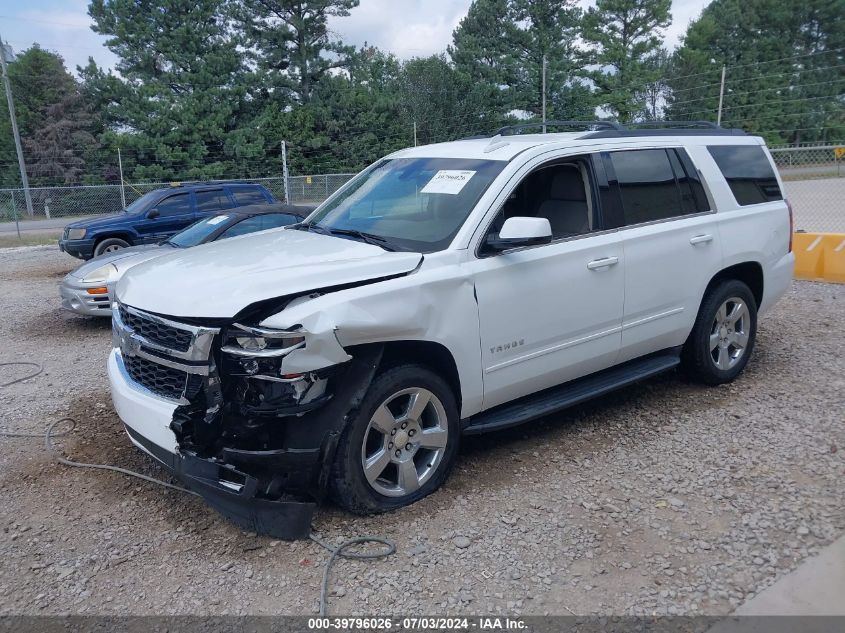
721, 342
109, 245
401, 444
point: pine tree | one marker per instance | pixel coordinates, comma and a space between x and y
181, 97
500, 46
291, 43
55, 123
785, 68
625, 39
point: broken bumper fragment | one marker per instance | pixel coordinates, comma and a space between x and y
236, 495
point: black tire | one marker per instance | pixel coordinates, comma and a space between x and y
349, 487
699, 361
108, 245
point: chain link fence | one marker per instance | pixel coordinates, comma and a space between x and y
87, 200
814, 178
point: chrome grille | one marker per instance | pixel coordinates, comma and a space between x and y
168, 358
157, 332
161, 380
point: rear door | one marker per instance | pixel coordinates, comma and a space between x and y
671, 242
175, 212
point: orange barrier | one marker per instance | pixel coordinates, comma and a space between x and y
819, 256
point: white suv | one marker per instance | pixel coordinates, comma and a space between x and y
446, 290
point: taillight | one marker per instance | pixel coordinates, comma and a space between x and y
791, 225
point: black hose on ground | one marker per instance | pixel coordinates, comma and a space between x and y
336, 552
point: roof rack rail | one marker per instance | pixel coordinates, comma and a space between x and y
668, 128
674, 124
606, 125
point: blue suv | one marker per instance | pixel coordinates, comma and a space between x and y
157, 215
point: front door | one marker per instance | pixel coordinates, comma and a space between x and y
552, 312
175, 212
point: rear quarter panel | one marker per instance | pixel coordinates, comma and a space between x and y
752, 233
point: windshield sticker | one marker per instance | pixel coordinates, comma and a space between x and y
449, 181
218, 219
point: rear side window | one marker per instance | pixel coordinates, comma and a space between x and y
655, 185
212, 200
248, 195
748, 172
275, 220
259, 223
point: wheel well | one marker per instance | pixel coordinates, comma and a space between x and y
433, 355
750, 273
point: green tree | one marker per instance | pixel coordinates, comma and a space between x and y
352, 119
624, 37
785, 68
545, 28
55, 124
482, 51
500, 46
291, 43
180, 107
442, 102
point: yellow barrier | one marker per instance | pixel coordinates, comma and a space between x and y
819, 256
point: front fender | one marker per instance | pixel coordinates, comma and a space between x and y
432, 306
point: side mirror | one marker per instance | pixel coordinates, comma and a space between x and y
152, 214
521, 231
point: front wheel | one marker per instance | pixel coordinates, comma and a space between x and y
722, 339
400, 445
110, 245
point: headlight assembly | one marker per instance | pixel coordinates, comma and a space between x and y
244, 340
101, 275
75, 234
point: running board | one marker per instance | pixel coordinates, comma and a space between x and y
576, 391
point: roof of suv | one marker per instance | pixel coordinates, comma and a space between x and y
503, 147
190, 186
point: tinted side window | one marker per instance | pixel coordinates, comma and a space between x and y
213, 200
647, 184
179, 204
693, 199
248, 195
275, 220
250, 225
748, 172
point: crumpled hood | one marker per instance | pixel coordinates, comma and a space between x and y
123, 259
220, 279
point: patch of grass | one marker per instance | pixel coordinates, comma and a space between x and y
10, 241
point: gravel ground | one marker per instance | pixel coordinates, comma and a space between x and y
666, 497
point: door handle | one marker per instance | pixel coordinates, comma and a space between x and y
701, 239
604, 262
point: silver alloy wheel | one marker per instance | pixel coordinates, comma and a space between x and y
729, 333
404, 442
111, 248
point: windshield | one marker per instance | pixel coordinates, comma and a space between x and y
415, 204
197, 232
141, 202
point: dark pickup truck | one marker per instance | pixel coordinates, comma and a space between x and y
157, 215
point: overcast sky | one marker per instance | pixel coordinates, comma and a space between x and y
407, 28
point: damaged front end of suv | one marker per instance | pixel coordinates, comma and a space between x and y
253, 438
